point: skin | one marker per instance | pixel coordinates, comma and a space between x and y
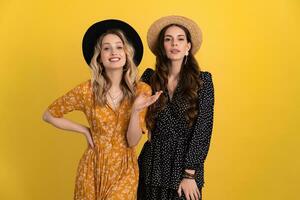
112, 53
113, 58
176, 47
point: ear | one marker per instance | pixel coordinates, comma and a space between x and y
189, 46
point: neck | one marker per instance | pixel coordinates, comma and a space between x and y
175, 68
115, 77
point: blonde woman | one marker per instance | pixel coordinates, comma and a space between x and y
114, 103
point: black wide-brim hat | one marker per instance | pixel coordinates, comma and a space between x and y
96, 30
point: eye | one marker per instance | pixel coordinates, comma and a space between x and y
120, 47
167, 39
105, 48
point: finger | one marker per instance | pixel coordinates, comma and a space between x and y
191, 196
90, 140
157, 94
186, 194
198, 193
152, 99
91, 144
195, 195
148, 102
179, 191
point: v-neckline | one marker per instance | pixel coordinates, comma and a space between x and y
175, 91
116, 110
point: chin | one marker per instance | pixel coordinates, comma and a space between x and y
175, 58
114, 67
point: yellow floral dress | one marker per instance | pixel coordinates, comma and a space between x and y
109, 171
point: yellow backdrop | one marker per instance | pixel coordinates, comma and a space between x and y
250, 47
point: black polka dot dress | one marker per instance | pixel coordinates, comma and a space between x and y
174, 146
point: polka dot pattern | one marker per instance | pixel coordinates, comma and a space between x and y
174, 146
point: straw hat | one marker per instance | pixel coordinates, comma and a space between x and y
96, 30
158, 25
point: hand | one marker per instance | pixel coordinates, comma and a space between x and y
189, 188
143, 101
89, 138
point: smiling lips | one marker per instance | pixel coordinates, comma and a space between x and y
114, 59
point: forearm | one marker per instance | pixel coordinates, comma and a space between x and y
65, 124
198, 149
200, 139
134, 131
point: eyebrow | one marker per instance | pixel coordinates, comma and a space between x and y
172, 36
110, 43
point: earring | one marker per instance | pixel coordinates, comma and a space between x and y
186, 56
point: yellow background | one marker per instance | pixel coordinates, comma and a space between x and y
250, 47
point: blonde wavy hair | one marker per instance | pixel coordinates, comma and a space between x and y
101, 82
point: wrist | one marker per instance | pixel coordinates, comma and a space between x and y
135, 111
190, 171
189, 174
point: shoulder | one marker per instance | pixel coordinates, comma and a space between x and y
207, 86
87, 83
84, 87
142, 87
205, 76
148, 71
147, 75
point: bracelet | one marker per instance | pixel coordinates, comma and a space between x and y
189, 175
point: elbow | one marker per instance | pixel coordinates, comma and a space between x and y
133, 137
131, 143
46, 116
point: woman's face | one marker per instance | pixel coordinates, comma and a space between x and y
176, 44
112, 52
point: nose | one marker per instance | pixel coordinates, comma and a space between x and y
113, 51
174, 43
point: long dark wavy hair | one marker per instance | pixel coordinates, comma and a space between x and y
188, 78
